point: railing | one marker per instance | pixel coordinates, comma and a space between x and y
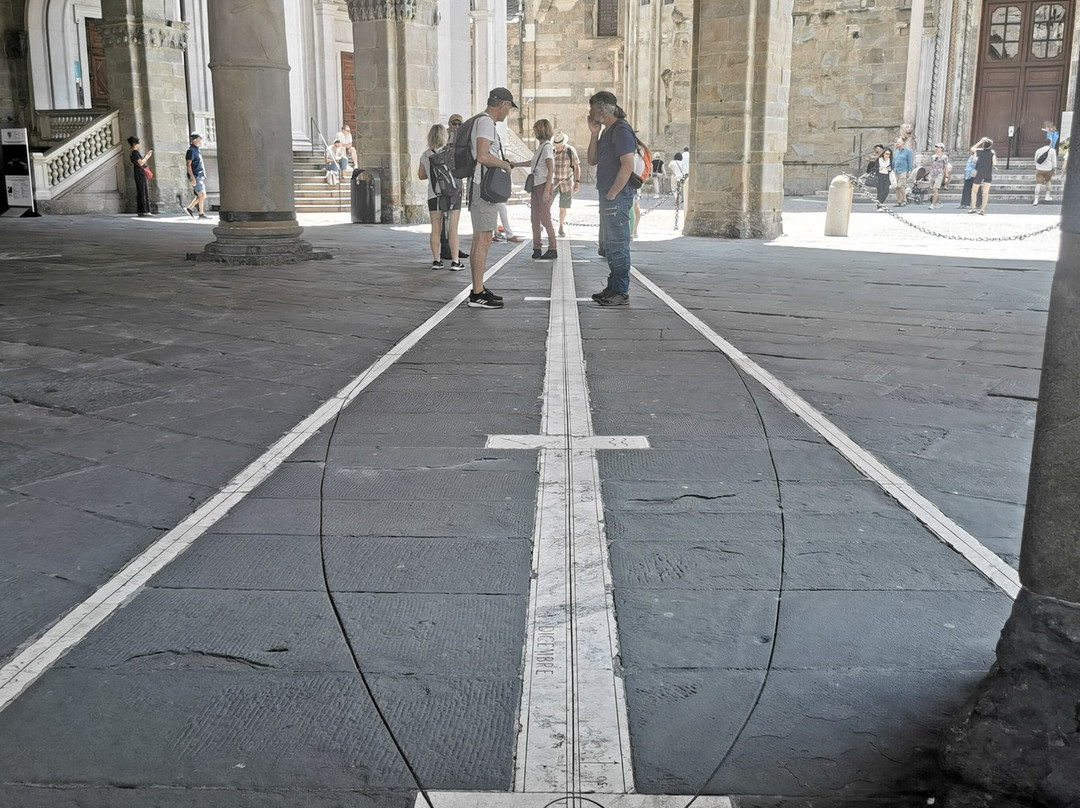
96, 143
314, 129
58, 125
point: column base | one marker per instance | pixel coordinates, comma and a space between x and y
736, 224
1016, 742
261, 251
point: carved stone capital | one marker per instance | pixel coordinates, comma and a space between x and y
373, 10
143, 34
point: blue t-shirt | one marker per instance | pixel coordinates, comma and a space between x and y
902, 160
196, 160
617, 140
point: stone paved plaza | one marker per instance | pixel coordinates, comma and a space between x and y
789, 633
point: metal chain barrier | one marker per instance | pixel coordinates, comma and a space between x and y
871, 193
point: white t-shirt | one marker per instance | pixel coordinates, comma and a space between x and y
485, 127
544, 152
676, 169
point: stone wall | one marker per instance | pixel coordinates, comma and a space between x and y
14, 86
848, 78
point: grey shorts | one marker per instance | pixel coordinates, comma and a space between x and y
565, 198
484, 214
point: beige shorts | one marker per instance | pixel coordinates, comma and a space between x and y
901, 180
484, 214
938, 181
1044, 176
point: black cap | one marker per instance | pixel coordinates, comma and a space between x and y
501, 94
193, 135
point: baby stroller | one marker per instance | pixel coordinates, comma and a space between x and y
920, 185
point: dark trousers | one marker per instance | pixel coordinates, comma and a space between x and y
882, 188
142, 191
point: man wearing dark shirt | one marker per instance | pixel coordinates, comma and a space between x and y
196, 175
612, 152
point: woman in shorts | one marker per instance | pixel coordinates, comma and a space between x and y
438, 204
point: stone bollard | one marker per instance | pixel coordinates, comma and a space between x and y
838, 210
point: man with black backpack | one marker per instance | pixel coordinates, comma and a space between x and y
612, 152
484, 153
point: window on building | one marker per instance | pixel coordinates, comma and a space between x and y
607, 18
1005, 32
1048, 35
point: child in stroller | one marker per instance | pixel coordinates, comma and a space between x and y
920, 185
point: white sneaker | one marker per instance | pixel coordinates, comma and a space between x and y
1048, 198
1036, 202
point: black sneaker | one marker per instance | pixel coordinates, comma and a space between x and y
436, 264
484, 300
461, 254
456, 266
537, 254
190, 212
491, 294
602, 293
203, 216
550, 255
614, 299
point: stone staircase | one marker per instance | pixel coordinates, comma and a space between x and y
311, 192
1013, 184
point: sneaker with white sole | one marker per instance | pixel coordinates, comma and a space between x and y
436, 264
614, 299
485, 300
1048, 198
456, 266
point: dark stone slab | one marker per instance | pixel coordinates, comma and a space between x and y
692, 526
403, 634
427, 519
907, 630
674, 628
228, 561
217, 630
19, 465
697, 496
391, 484
716, 564
445, 565
747, 463
77, 796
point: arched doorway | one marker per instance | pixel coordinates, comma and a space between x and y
1023, 72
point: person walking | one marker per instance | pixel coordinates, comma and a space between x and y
486, 147
985, 160
940, 172
612, 144
196, 175
440, 206
142, 186
903, 161
542, 171
503, 231
567, 175
1045, 166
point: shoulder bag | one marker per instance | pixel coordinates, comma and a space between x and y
495, 185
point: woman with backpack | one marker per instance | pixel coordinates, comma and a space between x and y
441, 201
542, 188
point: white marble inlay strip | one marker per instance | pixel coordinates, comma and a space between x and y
986, 561
489, 799
574, 735
40, 655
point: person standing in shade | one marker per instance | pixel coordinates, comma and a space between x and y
903, 160
486, 147
612, 144
940, 171
142, 187
542, 170
196, 176
567, 175
440, 207
985, 160
452, 125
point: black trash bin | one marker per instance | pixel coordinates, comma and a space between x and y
366, 198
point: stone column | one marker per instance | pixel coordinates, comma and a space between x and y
250, 69
144, 62
1017, 740
395, 53
738, 115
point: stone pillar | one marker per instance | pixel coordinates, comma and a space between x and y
396, 53
738, 115
1017, 740
250, 69
144, 62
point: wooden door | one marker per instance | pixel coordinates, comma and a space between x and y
1023, 71
95, 54
348, 93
